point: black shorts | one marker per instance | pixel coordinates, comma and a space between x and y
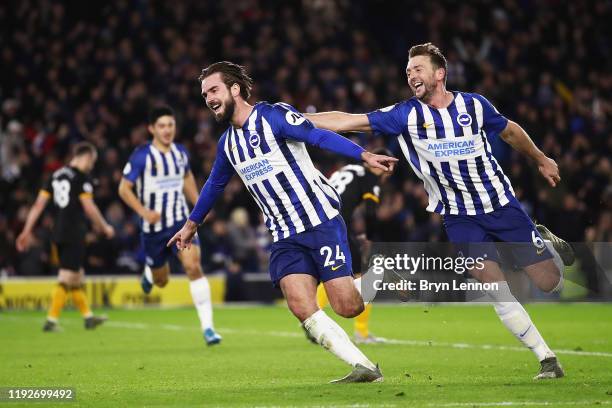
71, 255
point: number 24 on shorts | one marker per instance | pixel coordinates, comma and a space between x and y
327, 252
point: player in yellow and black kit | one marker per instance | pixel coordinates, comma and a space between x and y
358, 185
72, 194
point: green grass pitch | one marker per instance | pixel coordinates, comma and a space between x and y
445, 356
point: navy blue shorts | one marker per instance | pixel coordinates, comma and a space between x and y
476, 235
154, 244
322, 252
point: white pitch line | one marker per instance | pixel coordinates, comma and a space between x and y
418, 343
519, 403
492, 347
329, 406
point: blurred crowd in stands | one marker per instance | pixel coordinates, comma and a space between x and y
75, 71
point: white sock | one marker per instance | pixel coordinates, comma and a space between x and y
357, 282
515, 318
368, 294
331, 336
148, 274
200, 293
558, 263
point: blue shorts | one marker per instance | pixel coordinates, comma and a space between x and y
476, 235
154, 244
322, 251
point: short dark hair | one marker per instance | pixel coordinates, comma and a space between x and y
158, 112
231, 74
83, 148
435, 55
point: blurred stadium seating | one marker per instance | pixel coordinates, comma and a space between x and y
72, 72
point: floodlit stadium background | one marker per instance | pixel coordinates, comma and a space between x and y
72, 72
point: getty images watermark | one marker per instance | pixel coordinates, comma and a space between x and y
401, 264
475, 272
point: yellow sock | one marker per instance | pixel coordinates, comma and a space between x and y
322, 300
80, 301
58, 300
362, 322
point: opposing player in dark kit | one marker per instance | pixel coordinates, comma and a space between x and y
72, 194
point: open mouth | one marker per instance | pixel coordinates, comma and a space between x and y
215, 107
417, 85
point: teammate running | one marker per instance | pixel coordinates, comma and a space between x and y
443, 136
265, 145
72, 193
162, 176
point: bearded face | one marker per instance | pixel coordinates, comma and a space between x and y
223, 109
218, 97
421, 77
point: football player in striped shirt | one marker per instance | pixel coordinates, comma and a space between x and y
159, 172
265, 144
443, 136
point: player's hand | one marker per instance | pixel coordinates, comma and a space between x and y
108, 231
379, 161
184, 237
23, 241
151, 216
549, 170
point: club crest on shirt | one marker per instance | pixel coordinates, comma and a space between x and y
464, 119
254, 140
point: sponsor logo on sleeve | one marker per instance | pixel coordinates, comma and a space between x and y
294, 118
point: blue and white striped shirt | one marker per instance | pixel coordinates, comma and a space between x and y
159, 179
448, 149
269, 155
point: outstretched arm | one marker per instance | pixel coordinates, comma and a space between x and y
328, 140
23, 240
292, 125
340, 121
520, 141
220, 175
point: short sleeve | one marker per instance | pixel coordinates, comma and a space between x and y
371, 189
184, 157
47, 188
493, 121
84, 187
135, 165
390, 120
